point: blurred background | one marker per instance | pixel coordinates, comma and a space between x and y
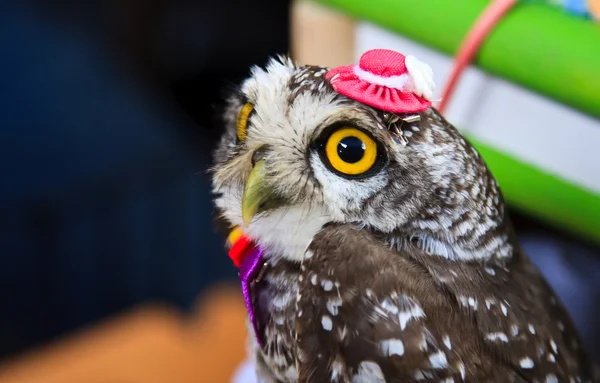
107, 124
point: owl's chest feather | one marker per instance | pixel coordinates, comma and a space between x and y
274, 298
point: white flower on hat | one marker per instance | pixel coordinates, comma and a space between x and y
421, 76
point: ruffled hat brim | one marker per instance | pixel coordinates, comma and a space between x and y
345, 81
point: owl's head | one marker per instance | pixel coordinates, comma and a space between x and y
296, 155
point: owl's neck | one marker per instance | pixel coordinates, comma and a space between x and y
286, 233
462, 215
499, 248
473, 231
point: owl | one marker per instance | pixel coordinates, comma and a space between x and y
373, 241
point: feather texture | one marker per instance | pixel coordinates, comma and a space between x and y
410, 274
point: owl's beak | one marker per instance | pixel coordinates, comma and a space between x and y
259, 195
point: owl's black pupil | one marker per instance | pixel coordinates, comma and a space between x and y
351, 149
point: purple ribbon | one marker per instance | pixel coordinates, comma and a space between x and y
248, 270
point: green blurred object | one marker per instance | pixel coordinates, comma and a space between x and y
536, 45
543, 195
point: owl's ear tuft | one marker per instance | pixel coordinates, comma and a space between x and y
286, 60
277, 69
281, 63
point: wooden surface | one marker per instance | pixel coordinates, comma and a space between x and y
321, 36
152, 344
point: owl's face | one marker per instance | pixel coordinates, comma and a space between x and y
297, 155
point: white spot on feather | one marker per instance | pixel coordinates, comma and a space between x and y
423, 343
468, 302
380, 311
333, 305
337, 369
446, 340
526, 363
553, 345
280, 320
462, 370
531, 328
327, 285
514, 330
473, 302
551, 378
389, 306
291, 374
279, 359
463, 228
326, 323
368, 372
415, 312
494, 336
280, 301
438, 360
313, 279
391, 347
422, 375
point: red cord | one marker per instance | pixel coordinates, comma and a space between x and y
484, 24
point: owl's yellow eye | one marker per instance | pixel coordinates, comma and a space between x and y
351, 151
242, 120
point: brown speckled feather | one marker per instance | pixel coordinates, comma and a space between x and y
369, 314
412, 273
